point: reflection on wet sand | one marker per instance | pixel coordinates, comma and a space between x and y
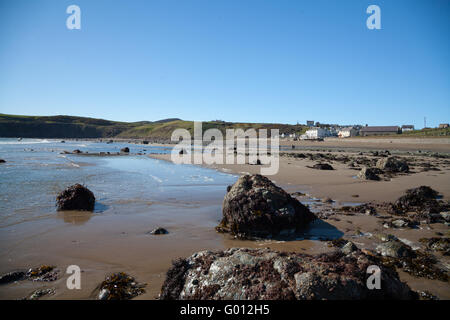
75, 217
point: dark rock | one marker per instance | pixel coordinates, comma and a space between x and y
426, 295
420, 200
327, 200
2, 161
119, 286
76, 197
369, 174
256, 207
76, 151
392, 164
125, 150
241, 274
159, 231
12, 277
322, 166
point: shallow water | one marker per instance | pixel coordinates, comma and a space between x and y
35, 171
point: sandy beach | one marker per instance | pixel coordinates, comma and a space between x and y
118, 240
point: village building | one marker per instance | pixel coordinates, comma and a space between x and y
315, 133
347, 132
310, 123
407, 127
443, 125
378, 130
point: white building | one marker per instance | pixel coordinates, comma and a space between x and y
316, 133
347, 132
407, 127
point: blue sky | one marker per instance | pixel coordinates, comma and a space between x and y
235, 60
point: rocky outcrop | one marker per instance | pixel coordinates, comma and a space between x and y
240, 273
369, 174
76, 197
125, 150
255, 207
392, 164
119, 286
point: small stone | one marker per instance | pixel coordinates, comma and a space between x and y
349, 247
103, 295
159, 230
399, 223
394, 249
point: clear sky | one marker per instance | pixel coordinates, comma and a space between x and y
235, 60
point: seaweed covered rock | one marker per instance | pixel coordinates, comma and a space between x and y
395, 249
322, 166
437, 244
12, 277
392, 164
369, 174
420, 200
255, 207
76, 197
241, 273
119, 286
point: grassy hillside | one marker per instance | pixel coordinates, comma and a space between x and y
430, 132
164, 130
79, 127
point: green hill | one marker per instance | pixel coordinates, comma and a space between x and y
80, 127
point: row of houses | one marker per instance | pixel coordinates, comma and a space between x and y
351, 131
319, 131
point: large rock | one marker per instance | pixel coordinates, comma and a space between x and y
369, 174
76, 197
421, 200
240, 274
392, 164
256, 207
